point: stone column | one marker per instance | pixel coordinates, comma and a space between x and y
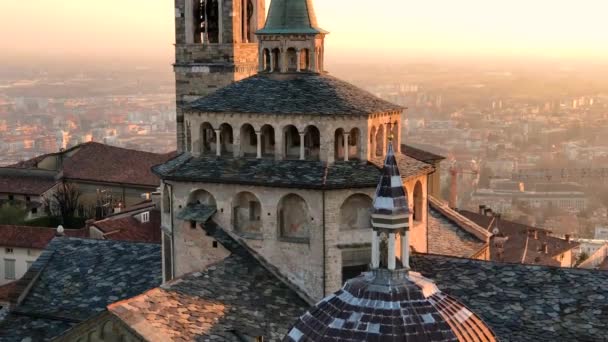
313, 60
218, 143
302, 150
346, 135
261, 60
220, 21
391, 251
259, 143
298, 60
398, 137
405, 250
271, 61
375, 250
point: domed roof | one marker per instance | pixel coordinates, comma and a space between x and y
384, 305
291, 16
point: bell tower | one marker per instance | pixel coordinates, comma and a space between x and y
215, 45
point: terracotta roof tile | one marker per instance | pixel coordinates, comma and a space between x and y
25, 185
32, 237
130, 229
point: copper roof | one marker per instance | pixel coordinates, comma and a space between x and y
291, 16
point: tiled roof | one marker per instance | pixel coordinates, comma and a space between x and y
75, 279
306, 94
25, 185
32, 237
525, 302
521, 245
420, 154
234, 296
129, 228
7, 291
284, 173
383, 305
447, 238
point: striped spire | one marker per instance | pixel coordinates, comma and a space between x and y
390, 199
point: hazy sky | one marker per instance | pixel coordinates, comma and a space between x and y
128, 29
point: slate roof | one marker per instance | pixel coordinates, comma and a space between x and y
234, 296
291, 16
525, 302
446, 237
75, 279
522, 246
305, 94
284, 173
385, 305
32, 237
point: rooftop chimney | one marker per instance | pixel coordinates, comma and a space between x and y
481, 209
487, 212
545, 248
567, 237
60, 231
535, 234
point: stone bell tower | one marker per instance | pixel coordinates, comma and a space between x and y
215, 45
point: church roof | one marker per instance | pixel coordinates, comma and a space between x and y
312, 94
291, 17
284, 173
383, 305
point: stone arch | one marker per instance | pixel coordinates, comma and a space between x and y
247, 213
379, 141
418, 202
276, 60
293, 218
201, 196
312, 143
292, 60
291, 138
247, 15
207, 21
207, 139
226, 138
304, 59
354, 143
395, 134
339, 144
355, 212
267, 60
372, 141
166, 200
268, 143
249, 141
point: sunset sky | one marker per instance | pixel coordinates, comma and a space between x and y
400, 28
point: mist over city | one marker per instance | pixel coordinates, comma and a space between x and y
173, 127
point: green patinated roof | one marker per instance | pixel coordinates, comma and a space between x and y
291, 16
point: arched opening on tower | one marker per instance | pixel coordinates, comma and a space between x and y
293, 218
379, 142
202, 197
304, 60
247, 211
312, 143
247, 16
355, 212
267, 60
292, 60
292, 142
226, 138
268, 142
354, 144
339, 144
207, 22
372, 141
276, 60
249, 141
395, 134
207, 139
418, 202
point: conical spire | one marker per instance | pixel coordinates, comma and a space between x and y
390, 196
291, 16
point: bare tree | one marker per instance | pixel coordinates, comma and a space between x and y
66, 198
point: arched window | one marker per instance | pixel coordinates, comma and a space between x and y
372, 141
267, 60
247, 12
292, 142
249, 141
339, 144
418, 202
379, 142
226, 138
268, 144
276, 60
355, 212
202, 197
354, 144
292, 60
304, 60
207, 22
247, 213
207, 139
294, 218
312, 143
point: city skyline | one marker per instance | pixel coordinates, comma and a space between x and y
142, 30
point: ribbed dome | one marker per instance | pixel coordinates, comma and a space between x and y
291, 16
385, 305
